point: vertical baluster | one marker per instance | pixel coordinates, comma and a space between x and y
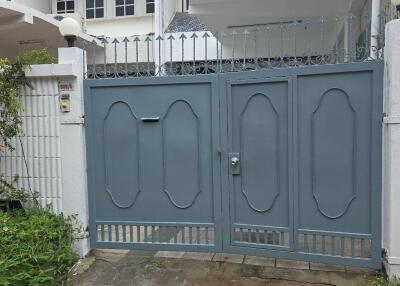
255, 30
104, 41
183, 37
342, 244
206, 36
130, 233
352, 246
307, 29
115, 42
206, 235
198, 235
190, 235
159, 39
124, 233
176, 234
109, 233
337, 57
249, 235
148, 40
257, 236
126, 41
171, 39
267, 32
322, 22
233, 34
194, 37
102, 232
306, 248
314, 242
350, 38
281, 29
138, 234
216, 36
183, 235
245, 35
333, 245
221, 51
366, 49
295, 25
94, 47
116, 228
152, 234
282, 239
362, 254
136, 41
323, 244
145, 234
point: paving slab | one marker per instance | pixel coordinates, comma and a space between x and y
202, 256
261, 261
292, 264
228, 257
169, 254
327, 267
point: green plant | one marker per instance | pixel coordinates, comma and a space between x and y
9, 191
36, 57
381, 280
35, 247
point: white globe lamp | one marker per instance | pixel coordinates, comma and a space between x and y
69, 29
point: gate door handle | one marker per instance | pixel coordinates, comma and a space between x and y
234, 161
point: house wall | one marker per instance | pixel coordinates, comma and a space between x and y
41, 5
391, 154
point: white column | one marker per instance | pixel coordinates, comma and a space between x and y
391, 158
73, 155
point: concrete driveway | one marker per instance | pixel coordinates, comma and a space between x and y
116, 267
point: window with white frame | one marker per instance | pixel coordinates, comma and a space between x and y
149, 6
124, 7
94, 9
65, 6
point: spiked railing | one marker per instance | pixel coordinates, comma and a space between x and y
305, 42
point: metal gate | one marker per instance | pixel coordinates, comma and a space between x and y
283, 163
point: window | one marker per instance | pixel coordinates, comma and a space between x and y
65, 6
124, 7
149, 6
94, 9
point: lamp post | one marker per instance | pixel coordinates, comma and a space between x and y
69, 29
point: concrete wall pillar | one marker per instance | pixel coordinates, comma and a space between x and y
73, 155
391, 156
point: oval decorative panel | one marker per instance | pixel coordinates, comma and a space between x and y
259, 140
181, 148
121, 154
333, 153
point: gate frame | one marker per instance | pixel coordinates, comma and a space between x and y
220, 146
89, 84
292, 74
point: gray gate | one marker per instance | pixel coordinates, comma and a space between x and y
283, 163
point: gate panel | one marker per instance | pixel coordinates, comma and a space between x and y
335, 125
152, 161
258, 138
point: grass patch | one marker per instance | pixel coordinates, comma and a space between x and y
36, 247
382, 280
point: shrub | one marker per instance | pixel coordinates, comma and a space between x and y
35, 247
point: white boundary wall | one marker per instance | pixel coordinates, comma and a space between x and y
53, 142
391, 156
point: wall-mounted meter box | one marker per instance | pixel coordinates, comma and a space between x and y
65, 103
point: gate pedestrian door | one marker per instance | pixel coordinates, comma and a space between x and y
283, 163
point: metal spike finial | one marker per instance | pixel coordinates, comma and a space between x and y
194, 36
115, 41
171, 37
206, 35
159, 38
148, 39
136, 39
182, 36
125, 40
